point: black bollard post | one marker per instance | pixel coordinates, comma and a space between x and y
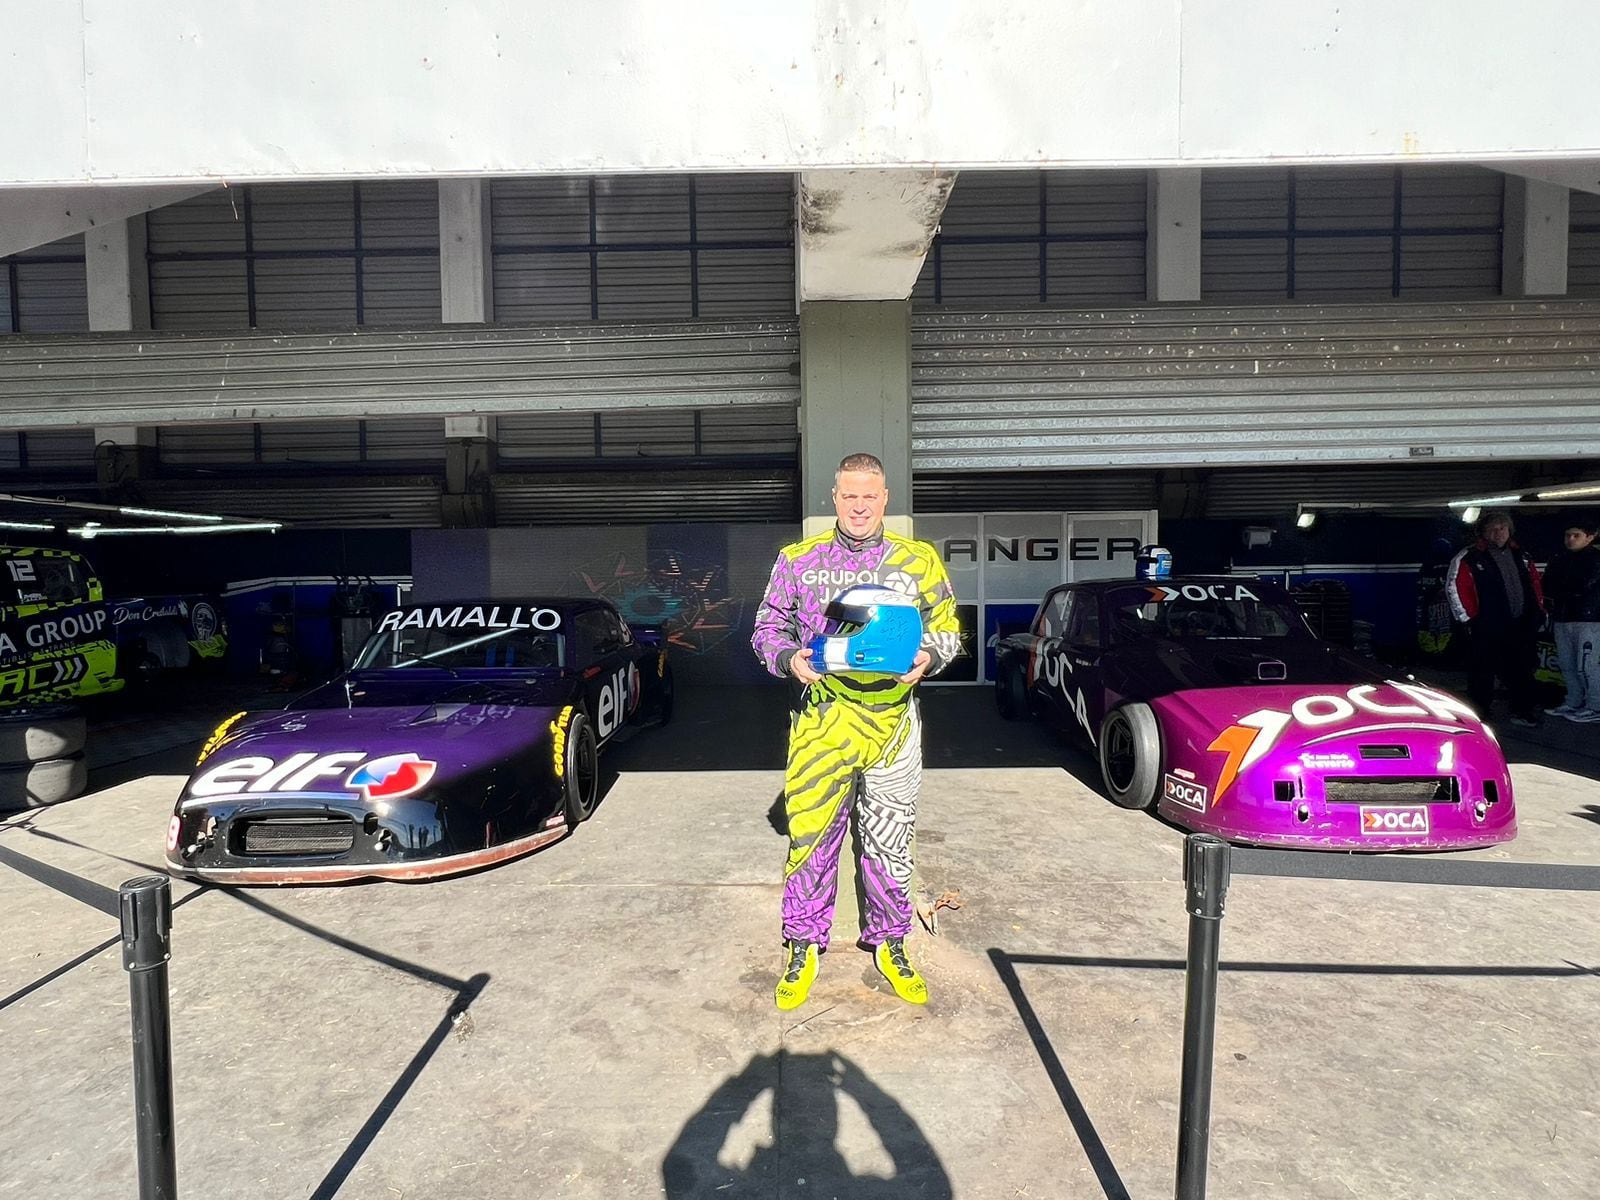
1205, 874
145, 904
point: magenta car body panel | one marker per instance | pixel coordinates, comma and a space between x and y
1267, 734
1387, 766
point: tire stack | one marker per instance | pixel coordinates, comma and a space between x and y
41, 757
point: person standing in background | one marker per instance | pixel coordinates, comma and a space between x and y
1572, 594
1496, 592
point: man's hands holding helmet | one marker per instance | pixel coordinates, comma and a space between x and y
919, 667
800, 667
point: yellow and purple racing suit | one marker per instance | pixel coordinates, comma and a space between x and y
855, 742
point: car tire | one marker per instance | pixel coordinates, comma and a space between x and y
36, 734
667, 691
581, 773
34, 785
1010, 692
1130, 755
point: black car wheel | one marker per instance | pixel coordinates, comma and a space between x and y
1130, 755
1010, 692
582, 770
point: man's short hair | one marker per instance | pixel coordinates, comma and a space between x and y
1496, 516
1586, 522
870, 463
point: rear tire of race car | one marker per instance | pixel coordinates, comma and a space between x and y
581, 775
1011, 693
36, 734
35, 785
1130, 755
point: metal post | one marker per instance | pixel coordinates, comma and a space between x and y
145, 904
1205, 874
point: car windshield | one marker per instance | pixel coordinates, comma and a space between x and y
1202, 610
463, 649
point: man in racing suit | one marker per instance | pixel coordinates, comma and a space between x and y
855, 740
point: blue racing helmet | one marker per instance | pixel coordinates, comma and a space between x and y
1154, 562
869, 628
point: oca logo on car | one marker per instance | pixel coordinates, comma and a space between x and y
1390, 821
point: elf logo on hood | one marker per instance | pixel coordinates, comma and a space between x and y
309, 773
388, 778
1249, 738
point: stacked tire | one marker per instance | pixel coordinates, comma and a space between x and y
41, 757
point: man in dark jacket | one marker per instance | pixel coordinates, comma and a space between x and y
1496, 592
1572, 592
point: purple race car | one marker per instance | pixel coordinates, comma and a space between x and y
464, 735
1211, 699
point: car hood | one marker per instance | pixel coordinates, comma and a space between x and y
377, 752
403, 688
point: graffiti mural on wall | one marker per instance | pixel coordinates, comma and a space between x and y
685, 595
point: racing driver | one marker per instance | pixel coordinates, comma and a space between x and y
855, 739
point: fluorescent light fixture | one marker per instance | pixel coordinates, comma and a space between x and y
1586, 489
1306, 519
30, 526
94, 530
1470, 513
164, 514
1482, 500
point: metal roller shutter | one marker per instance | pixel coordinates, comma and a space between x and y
311, 503
419, 440
633, 498
765, 431
188, 378
1275, 492
205, 445
1187, 387
1034, 491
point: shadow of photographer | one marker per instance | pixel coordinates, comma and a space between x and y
803, 1141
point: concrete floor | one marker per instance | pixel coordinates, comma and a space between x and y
596, 1020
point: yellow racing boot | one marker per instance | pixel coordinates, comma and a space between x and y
890, 956
794, 985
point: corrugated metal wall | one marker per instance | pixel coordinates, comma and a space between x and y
45, 290
642, 247
1583, 245
1191, 386
1278, 491
297, 256
765, 431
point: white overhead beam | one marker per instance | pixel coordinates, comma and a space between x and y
862, 235
1579, 174
32, 217
483, 89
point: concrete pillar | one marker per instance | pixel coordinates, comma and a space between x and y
466, 265
855, 395
469, 463
1172, 234
1535, 238
123, 454
117, 275
118, 283
466, 279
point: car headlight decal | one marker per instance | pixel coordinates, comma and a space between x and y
1244, 743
